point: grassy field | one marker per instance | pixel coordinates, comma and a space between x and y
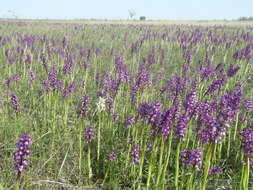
137, 22
126, 104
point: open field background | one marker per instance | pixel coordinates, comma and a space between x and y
126, 105
138, 22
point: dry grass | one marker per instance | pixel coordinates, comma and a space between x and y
137, 22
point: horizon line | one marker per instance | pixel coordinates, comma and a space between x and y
108, 19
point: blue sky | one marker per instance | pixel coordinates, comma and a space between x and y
118, 9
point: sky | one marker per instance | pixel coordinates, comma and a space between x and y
119, 9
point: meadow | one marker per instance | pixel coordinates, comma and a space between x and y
106, 105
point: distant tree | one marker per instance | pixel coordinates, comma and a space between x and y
12, 14
245, 18
142, 18
132, 13
242, 18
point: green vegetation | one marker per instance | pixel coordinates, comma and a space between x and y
124, 106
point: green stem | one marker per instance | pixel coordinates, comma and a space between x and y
129, 148
219, 152
207, 165
177, 165
229, 142
17, 185
183, 179
18, 181
190, 182
236, 126
167, 159
245, 175
80, 152
142, 157
160, 168
242, 178
99, 128
66, 113
150, 168
89, 163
